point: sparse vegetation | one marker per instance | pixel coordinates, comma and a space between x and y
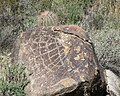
107, 46
101, 18
12, 77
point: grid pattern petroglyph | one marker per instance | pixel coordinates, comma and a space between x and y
44, 57
50, 53
52, 57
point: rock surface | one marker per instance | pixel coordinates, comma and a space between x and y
113, 83
61, 62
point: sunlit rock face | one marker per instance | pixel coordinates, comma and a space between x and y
113, 83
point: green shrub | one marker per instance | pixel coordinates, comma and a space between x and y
70, 11
107, 47
12, 78
19, 15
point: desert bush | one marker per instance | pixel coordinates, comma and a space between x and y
70, 11
20, 15
107, 47
105, 12
12, 77
10, 22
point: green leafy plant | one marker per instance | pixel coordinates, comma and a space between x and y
12, 78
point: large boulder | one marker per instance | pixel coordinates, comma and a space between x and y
60, 61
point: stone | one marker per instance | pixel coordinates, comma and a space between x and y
61, 61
